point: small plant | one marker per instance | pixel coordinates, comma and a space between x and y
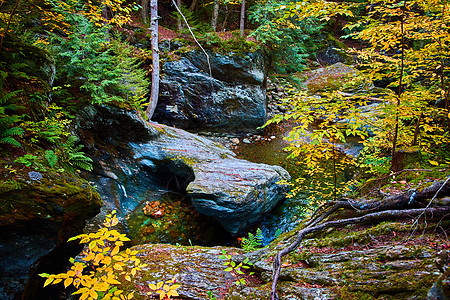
28, 159
236, 268
166, 290
253, 241
73, 157
102, 268
211, 296
8, 121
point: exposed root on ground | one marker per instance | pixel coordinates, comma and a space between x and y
411, 204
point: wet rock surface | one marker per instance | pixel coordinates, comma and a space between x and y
233, 191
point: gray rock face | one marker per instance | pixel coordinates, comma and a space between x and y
233, 191
231, 97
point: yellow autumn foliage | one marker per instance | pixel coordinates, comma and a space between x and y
107, 266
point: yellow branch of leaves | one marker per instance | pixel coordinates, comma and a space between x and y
102, 268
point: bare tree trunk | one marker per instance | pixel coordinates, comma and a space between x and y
155, 58
242, 21
215, 15
179, 23
144, 10
400, 90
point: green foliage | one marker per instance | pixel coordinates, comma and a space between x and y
197, 26
320, 125
290, 38
102, 268
406, 115
72, 156
211, 296
236, 268
8, 119
236, 43
27, 159
253, 241
105, 69
51, 157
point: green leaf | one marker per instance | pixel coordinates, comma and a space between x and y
51, 157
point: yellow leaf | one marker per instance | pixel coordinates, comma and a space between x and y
93, 294
115, 251
48, 281
434, 163
172, 293
67, 282
112, 281
159, 285
152, 286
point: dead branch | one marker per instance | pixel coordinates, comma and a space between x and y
373, 217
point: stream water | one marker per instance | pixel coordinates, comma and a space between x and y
269, 150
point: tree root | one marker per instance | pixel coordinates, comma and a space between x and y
389, 208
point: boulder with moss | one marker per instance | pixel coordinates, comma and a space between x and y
39, 211
129, 152
225, 92
388, 260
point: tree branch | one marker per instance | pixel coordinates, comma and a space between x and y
378, 216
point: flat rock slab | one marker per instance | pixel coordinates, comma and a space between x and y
234, 191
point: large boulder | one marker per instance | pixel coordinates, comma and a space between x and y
38, 213
228, 94
235, 192
337, 76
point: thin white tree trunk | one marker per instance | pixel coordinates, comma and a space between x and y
215, 15
179, 23
155, 58
242, 22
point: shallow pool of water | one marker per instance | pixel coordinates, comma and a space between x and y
269, 150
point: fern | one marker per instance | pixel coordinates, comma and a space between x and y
73, 157
14, 131
10, 141
80, 160
51, 157
8, 130
253, 241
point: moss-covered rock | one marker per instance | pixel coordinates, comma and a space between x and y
337, 76
392, 262
39, 211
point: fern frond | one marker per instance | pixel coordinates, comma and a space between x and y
14, 131
80, 160
6, 98
11, 141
